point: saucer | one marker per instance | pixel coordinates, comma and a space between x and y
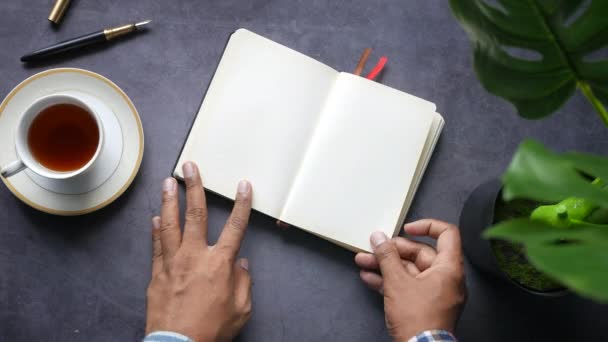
118, 163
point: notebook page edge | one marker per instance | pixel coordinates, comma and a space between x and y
427, 154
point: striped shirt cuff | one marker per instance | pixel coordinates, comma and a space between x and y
433, 336
166, 336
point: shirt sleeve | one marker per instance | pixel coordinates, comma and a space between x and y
433, 336
426, 336
166, 336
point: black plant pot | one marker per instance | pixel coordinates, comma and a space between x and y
476, 216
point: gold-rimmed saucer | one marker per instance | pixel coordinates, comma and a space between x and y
66, 80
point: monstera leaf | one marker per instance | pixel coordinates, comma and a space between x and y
535, 53
539, 174
576, 257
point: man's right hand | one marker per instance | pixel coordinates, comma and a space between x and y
423, 287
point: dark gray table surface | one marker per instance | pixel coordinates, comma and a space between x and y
84, 278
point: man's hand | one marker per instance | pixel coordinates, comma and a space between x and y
198, 290
423, 287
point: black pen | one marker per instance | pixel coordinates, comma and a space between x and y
82, 41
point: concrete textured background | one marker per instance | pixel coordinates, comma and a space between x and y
84, 278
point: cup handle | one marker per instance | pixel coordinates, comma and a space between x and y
12, 168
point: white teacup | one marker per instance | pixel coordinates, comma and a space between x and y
25, 158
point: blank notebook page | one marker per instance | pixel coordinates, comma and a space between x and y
257, 119
361, 162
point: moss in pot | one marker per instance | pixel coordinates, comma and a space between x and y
503, 259
511, 257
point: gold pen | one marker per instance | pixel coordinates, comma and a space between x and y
58, 10
82, 41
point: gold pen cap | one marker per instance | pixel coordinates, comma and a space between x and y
58, 10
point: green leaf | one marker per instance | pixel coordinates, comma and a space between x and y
539, 174
532, 54
582, 267
576, 257
527, 231
598, 216
590, 164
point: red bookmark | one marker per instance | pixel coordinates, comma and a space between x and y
378, 68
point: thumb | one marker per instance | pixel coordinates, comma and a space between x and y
386, 254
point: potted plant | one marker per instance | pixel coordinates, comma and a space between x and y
548, 215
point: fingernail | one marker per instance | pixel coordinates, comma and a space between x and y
156, 222
244, 263
243, 187
169, 184
188, 170
378, 238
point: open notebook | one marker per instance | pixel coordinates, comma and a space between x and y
329, 152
